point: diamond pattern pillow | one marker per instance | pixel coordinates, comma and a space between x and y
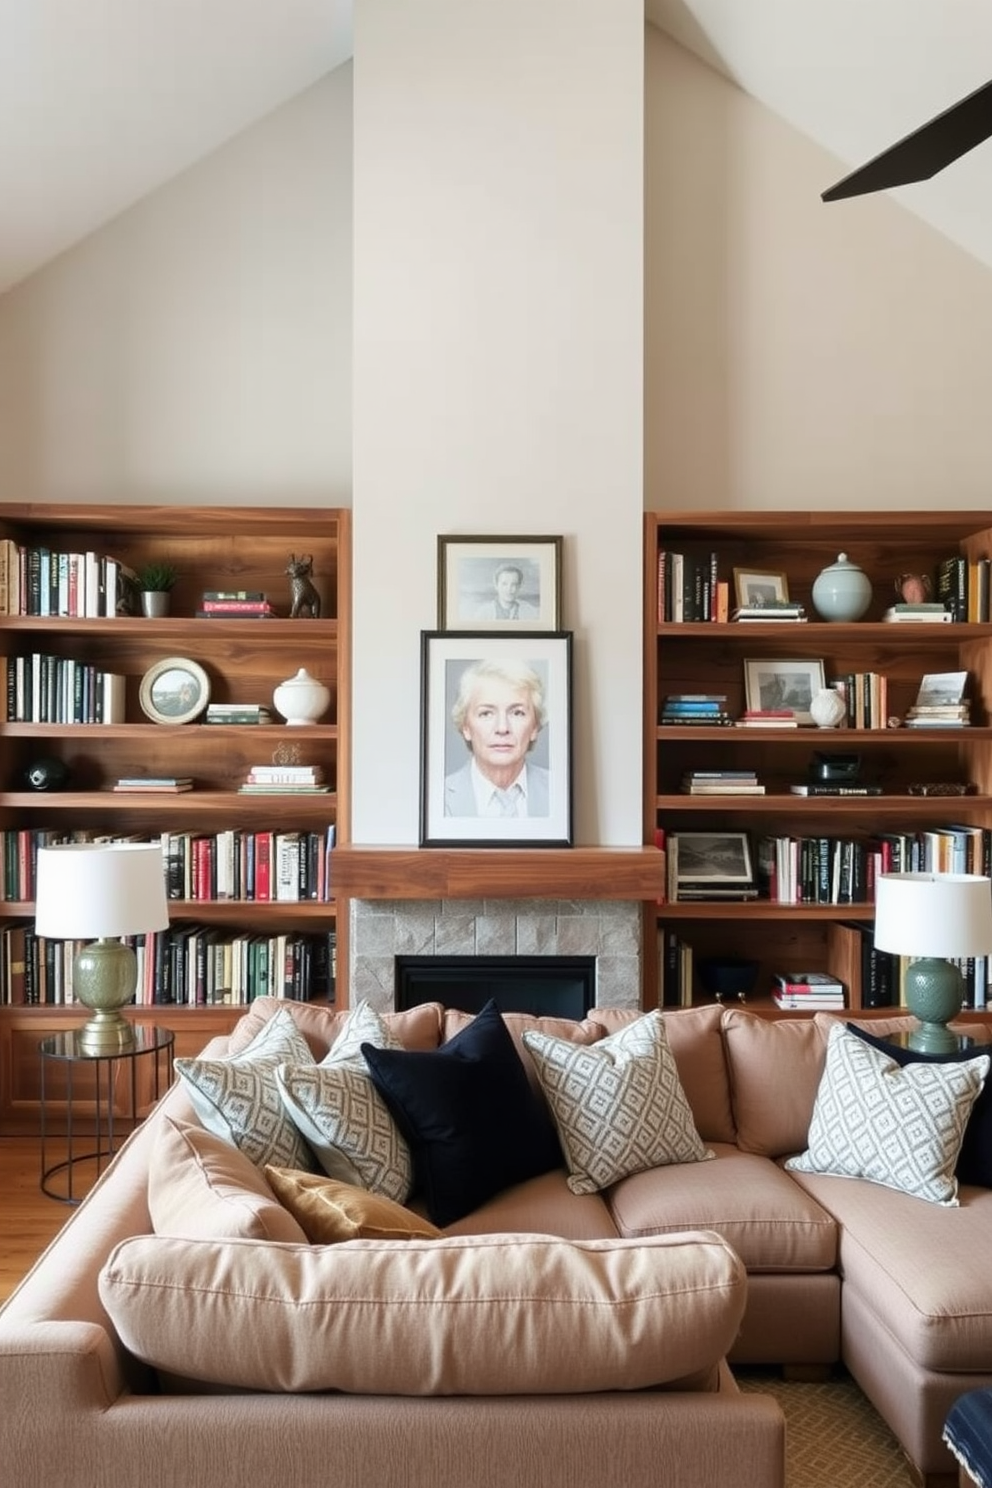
618, 1104
901, 1126
337, 1108
237, 1097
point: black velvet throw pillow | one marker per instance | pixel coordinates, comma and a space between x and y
473, 1124
974, 1164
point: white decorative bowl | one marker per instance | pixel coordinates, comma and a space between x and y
301, 699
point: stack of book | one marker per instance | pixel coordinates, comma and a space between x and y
721, 783
695, 708
238, 713
807, 991
774, 609
158, 784
767, 718
235, 604
940, 702
928, 614
285, 780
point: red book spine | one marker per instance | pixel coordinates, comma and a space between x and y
263, 865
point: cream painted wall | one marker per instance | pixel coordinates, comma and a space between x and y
198, 348
798, 354
498, 358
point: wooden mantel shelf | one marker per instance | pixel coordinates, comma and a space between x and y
497, 873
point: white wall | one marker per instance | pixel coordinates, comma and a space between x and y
198, 348
498, 358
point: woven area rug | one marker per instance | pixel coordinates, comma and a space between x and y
833, 1436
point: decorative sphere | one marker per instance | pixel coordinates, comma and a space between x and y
46, 774
828, 709
842, 591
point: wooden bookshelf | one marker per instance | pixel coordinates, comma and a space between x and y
708, 656
211, 548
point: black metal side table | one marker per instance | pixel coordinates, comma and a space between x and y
110, 1097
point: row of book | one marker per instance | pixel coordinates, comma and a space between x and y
962, 586
881, 974
40, 688
690, 589
866, 698
187, 965
43, 581
263, 866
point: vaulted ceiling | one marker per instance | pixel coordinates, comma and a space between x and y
102, 101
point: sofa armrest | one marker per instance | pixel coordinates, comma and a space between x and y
72, 1363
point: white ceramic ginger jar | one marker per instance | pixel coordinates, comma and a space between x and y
301, 699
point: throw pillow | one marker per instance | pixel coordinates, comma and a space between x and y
201, 1187
618, 1104
343, 1117
900, 1126
237, 1098
330, 1211
467, 1110
974, 1165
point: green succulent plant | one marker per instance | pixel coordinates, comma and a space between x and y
156, 578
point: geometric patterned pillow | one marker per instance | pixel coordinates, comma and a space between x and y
345, 1120
900, 1126
237, 1097
618, 1104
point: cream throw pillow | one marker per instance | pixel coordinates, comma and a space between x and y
337, 1108
901, 1126
202, 1187
618, 1104
237, 1097
330, 1211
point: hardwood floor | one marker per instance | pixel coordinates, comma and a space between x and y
29, 1219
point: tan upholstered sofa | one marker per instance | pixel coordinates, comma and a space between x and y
836, 1268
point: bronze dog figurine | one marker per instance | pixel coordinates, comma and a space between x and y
304, 595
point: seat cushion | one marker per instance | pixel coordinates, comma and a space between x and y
487, 1315
768, 1219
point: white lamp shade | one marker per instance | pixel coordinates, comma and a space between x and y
85, 890
934, 914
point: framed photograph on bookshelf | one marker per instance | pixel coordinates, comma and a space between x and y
771, 685
496, 740
753, 588
712, 864
499, 583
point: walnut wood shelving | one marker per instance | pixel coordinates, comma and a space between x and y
705, 656
468, 873
211, 548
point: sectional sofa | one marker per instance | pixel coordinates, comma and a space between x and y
243, 1354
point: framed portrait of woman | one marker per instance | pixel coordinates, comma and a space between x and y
499, 583
496, 739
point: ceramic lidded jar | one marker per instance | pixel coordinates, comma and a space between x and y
301, 699
841, 591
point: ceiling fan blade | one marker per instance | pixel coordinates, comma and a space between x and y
924, 152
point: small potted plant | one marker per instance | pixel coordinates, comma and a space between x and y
156, 580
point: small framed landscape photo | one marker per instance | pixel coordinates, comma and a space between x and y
496, 739
499, 583
720, 861
789, 685
752, 589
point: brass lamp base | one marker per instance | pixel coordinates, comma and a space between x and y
104, 976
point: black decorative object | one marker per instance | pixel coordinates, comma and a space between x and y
303, 594
48, 774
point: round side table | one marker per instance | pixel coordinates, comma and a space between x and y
101, 1097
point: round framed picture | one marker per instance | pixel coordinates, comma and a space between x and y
174, 690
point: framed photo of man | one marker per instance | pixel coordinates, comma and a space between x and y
496, 739
499, 583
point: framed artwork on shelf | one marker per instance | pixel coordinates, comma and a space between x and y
496, 739
774, 685
713, 865
174, 690
499, 583
754, 588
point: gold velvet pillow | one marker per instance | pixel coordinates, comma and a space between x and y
329, 1211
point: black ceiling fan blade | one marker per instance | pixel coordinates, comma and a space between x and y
924, 152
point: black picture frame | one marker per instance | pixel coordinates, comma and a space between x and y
458, 794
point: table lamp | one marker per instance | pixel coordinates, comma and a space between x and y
933, 916
99, 892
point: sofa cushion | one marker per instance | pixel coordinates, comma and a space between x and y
775, 1066
770, 1222
237, 1097
416, 1028
696, 1040
901, 1126
473, 1124
486, 1315
329, 1211
618, 1104
339, 1111
202, 1187
544, 1205
974, 1164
